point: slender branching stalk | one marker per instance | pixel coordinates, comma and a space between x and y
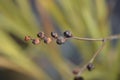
103, 40
87, 39
97, 39
68, 35
92, 59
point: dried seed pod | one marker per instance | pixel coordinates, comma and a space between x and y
67, 34
41, 35
54, 35
36, 41
47, 40
76, 71
27, 38
90, 67
78, 78
60, 40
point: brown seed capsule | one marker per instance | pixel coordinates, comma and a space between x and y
36, 41
79, 78
27, 38
76, 71
67, 34
54, 35
47, 40
41, 35
90, 66
60, 40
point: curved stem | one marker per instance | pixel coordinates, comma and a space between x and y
93, 58
98, 51
97, 39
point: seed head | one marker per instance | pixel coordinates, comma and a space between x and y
47, 40
41, 35
54, 35
67, 34
27, 38
36, 41
79, 78
76, 71
60, 40
90, 67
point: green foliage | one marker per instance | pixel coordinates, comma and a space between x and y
82, 17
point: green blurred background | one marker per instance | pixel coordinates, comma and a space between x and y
20, 60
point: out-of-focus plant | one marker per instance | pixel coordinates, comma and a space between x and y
85, 18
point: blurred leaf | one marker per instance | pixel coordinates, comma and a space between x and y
82, 17
17, 56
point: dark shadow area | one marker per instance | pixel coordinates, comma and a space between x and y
6, 74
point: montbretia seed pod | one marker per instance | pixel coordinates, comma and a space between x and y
76, 71
90, 66
67, 34
47, 40
60, 40
41, 35
36, 41
27, 38
54, 35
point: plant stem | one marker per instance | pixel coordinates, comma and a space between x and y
113, 37
98, 51
87, 39
103, 40
93, 58
99, 39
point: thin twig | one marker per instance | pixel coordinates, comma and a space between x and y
103, 40
87, 39
97, 39
93, 58
98, 51
113, 37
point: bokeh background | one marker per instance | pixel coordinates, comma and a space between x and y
20, 60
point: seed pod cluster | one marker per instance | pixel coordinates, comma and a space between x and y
61, 39
41, 36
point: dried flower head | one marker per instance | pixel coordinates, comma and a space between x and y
67, 34
36, 41
76, 71
90, 66
27, 38
47, 40
41, 35
54, 35
60, 40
